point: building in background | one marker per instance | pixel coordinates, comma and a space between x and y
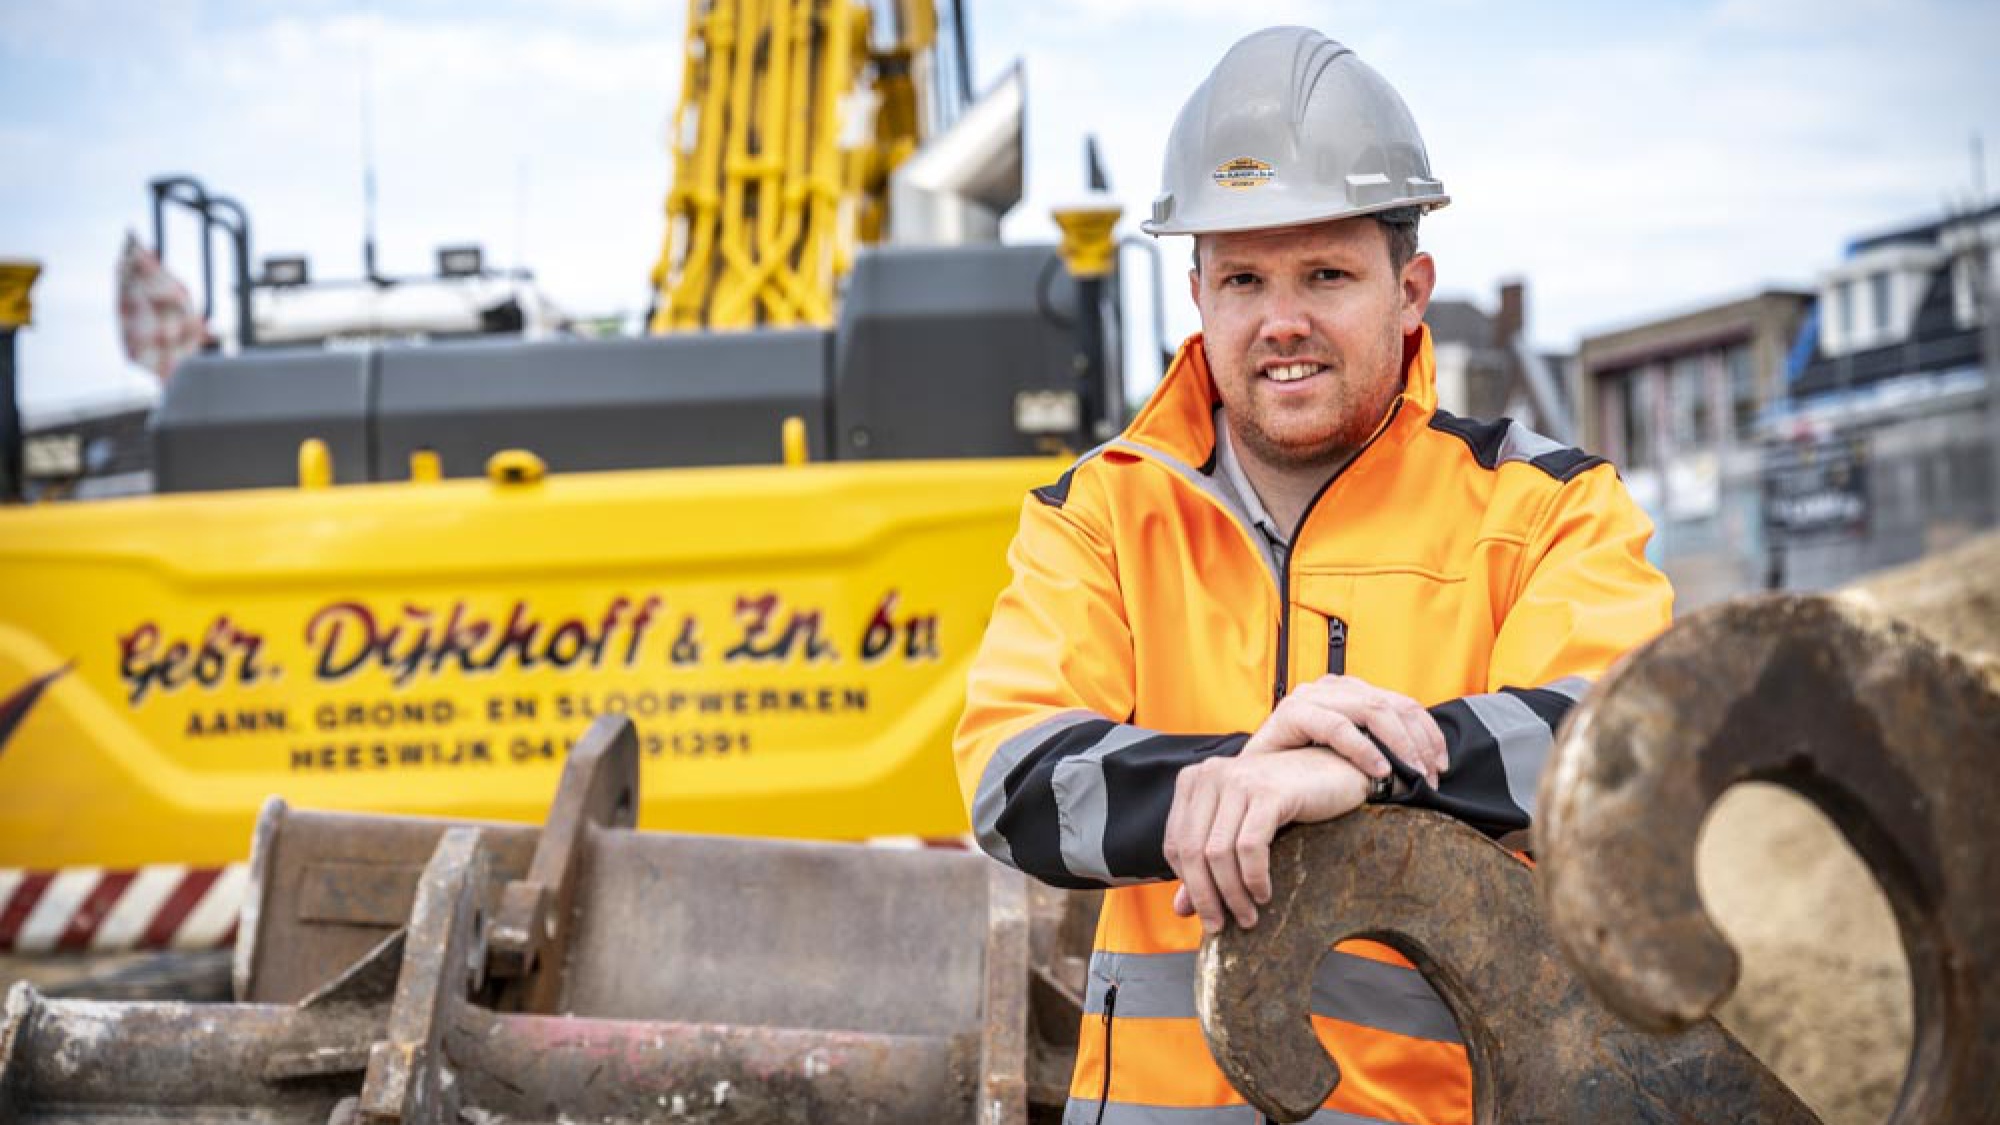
1887, 446
1486, 369
1802, 439
1676, 404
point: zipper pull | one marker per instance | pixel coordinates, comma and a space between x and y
1336, 647
1279, 683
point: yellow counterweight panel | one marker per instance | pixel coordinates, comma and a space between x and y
792, 642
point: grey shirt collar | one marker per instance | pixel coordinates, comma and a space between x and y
1230, 471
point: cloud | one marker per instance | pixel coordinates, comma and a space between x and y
82, 29
1082, 17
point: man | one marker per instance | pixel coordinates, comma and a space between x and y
1292, 585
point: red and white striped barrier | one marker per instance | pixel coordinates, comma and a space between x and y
160, 906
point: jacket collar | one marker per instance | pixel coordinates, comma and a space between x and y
1178, 419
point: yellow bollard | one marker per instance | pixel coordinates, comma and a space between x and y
426, 467
795, 441
315, 464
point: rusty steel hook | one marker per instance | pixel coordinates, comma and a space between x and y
1890, 734
1543, 1050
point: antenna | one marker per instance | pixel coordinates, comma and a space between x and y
520, 223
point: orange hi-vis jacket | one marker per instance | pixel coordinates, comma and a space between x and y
1477, 567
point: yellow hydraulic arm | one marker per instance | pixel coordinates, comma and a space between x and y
768, 196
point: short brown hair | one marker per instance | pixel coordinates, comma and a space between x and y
1401, 227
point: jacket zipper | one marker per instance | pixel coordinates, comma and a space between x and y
1336, 646
1279, 685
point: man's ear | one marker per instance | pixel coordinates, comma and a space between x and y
1194, 273
1419, 279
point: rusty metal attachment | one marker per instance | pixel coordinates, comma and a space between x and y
399, 971
1887, 732
1543, 1050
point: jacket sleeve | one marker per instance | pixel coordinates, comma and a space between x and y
1585, 595
1056, 786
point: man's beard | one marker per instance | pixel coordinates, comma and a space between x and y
1358, 421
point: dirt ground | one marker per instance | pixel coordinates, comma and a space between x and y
1824, 997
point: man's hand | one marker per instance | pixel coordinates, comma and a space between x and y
1310, 761
1225, 812
1340, 712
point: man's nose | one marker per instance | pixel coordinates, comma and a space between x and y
1285, 318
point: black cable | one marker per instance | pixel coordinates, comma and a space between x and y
1104, 1091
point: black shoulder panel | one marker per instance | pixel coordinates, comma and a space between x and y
1484, 438
1501, 440
1564, 464
1054, 495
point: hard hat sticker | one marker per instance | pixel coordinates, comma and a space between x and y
1240, 173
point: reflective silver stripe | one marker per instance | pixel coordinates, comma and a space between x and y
1353, 989
1385, 997
1078, 463
1151, 986
989, 800
1220, 494
1335, 1117
1524, 741
1080, 1111
1083, 805
1523, 444
1570, 687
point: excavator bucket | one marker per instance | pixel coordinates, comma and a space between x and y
424, 972
1883, 723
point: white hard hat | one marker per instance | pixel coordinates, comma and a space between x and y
1290, 128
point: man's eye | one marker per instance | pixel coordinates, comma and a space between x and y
1238, 280
1329, 275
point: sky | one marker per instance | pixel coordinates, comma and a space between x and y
1626, 160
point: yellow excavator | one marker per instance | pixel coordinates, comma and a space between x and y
404, 577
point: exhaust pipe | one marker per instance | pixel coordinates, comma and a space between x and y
956, 189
